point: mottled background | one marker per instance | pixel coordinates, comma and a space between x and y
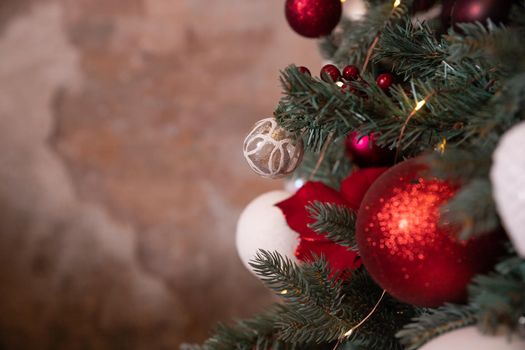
121, 174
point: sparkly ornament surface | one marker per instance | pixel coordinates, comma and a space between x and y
271, 151
405, 248
364, 152
508, 180
313, 18
330, 73
480, 10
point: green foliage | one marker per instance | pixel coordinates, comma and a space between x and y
314, 313
257, 333
334, 167
351, 47
500, 296
335, 221
434, 322
320, 307
472, 209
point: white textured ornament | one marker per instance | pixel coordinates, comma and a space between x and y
354, 9
271, 151
262, 226
470, 338
508, 182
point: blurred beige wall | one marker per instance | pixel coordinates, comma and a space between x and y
121, 174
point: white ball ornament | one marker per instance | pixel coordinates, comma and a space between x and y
262, 226
470, 338
508, 181
271, 151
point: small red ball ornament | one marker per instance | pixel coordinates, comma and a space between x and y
480, 10
404, 247
330, 71
385, 81
304, 70
364, 152
313, 18
351, 73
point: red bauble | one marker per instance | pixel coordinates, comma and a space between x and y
404, 247
460, 11
480, 10
351, 72
313, 18
364, 152
385, 81
330, 71
304, 70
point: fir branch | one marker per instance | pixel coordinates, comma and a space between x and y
319, 109
335, 167
492, 44
472, 209
379, 331
459, 165
358, 36
313, 297
337, 222
499, 296
258, 333
435, 322
412, 50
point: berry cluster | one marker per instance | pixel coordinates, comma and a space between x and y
330, 73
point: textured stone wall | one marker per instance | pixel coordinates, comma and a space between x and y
121, 174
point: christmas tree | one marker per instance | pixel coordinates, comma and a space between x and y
407, 226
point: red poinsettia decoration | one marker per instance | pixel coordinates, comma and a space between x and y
311, 244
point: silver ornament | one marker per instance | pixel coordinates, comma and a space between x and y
271, 151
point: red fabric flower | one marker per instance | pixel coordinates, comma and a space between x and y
311, 244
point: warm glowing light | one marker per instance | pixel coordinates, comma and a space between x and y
397, 3
284, 292
442, 146
343, 1
339, 83
420, 105
349, 333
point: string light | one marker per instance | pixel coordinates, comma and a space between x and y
284, 292
420, 105
397, 3
442, 146
351, 331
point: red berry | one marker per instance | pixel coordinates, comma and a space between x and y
351, 72
385, 81
304, 70
330, 73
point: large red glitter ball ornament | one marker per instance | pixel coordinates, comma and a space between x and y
364, 152
405, 248
313, 18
